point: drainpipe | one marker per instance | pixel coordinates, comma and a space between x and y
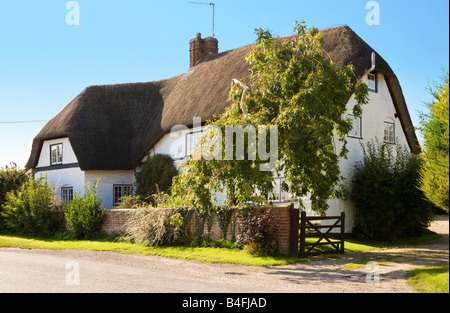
374, 63
246, 88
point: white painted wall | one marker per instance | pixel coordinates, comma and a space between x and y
174, 144
379, 108
70, 177
108, 179
68, 153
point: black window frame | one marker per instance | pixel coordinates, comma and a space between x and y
117, 200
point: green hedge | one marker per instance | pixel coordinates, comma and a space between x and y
385, 191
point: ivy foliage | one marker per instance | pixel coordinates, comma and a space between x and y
296, 87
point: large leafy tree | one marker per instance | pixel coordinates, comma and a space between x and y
435, 129
297, 88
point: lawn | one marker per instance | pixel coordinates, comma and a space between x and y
429, 279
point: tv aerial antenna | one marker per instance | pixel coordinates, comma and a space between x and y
214, 12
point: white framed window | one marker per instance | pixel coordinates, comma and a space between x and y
372, 82
120, 191
278, 194
56, 154
356, 131
389, 132
67, 194
192, 139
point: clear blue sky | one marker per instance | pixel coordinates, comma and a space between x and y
45, 63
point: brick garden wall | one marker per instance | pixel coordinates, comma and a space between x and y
286, 234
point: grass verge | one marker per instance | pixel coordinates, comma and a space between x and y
353, 245
207, 255
429, 279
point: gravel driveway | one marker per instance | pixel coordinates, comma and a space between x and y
106, 272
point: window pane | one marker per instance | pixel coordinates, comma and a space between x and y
121, 191
284, 194
356, 129
67, 194
389, 132
191, 141
56, 154
275, 194
372, 82
117, 194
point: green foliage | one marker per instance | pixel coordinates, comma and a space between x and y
177, 221
11, 178
385, 191
435, 169
84, 214
33, 209
258, 228
155, 176
297, 88
208, 243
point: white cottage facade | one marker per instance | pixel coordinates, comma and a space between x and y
107, 131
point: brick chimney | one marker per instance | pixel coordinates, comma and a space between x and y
200, 48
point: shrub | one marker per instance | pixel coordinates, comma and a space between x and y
155, 176
11, 178
257, 232
389, 204
84, 215
154, 227
34, 209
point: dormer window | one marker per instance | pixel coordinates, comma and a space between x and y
372, 82
56, 154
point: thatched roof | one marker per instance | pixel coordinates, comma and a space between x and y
113, 127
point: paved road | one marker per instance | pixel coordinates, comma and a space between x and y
32, 271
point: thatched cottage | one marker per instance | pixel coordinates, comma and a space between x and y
106, 131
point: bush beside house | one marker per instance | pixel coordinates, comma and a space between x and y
33, 209
11, 178
385, 191
84, 215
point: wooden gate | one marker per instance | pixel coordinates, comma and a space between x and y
306, 223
